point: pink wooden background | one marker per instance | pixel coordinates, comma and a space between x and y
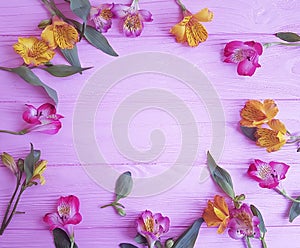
278, 78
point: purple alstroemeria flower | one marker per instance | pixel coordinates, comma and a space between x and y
102, 16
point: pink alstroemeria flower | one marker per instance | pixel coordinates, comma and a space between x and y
102, 16
243, 223
43, 119
66, 216
152, 226
245, 54
267, 174
132, 17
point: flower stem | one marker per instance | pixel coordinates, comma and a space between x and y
267, 45
248, 242
282, 192
10, 202
263, 242
183, 8
12, 213
22, 132
5, 69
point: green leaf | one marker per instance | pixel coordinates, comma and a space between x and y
98, 40
61, 239
294, 210
288, 36
249, 132
123, 185
29, 164
140, 239
220, 176
81, 8
71, 55
126, 245
158, 244
189, 237
257, 213
64, 70
27, 74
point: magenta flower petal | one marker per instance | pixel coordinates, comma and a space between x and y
46, 109
245, 54
47, 127
152, 226
31, 115
102, 17
54, 221
267, 174
145, 15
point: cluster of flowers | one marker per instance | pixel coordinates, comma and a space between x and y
258, 120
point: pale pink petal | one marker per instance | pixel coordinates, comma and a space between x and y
46, 109
31, 115
246, 68
120, 10
53, 220
280, 169
145, 15
48, 128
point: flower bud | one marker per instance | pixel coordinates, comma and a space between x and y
169, 243
9, 162
21, 164
121, 211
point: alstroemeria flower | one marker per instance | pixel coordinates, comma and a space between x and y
273, 139
38, 173
245, 54
268, 174
132, 17
43, 119
102, 16
60, 34
243, 223
217, 213
66, 216
256, 113
10, 163
152, 226
190, 29
33, 51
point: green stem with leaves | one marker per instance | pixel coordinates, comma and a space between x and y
282, 192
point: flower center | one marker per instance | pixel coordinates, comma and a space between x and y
265, 171
149, 224
106, 14
133, 22
64, 211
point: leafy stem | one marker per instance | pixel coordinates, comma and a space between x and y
263, 242
269, 44
282, 192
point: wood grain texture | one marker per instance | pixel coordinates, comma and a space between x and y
278, 78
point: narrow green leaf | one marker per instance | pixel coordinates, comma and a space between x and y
81, 8
29, 163
27, 74
257, 213
140, 239
126, 245
123, 185
288, 36
98, 40
249, 132
61, 239
220, 176
189, 237
294, 210
64, 70
71, 55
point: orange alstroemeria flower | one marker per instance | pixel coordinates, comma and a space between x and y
33, 51
217, 213
273, 139
60, 34
256, 113
190, 29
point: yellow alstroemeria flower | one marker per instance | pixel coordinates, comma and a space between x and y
60, 34
272, 139
217, 213
33, 51
256, 113
190, 29
38, 171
